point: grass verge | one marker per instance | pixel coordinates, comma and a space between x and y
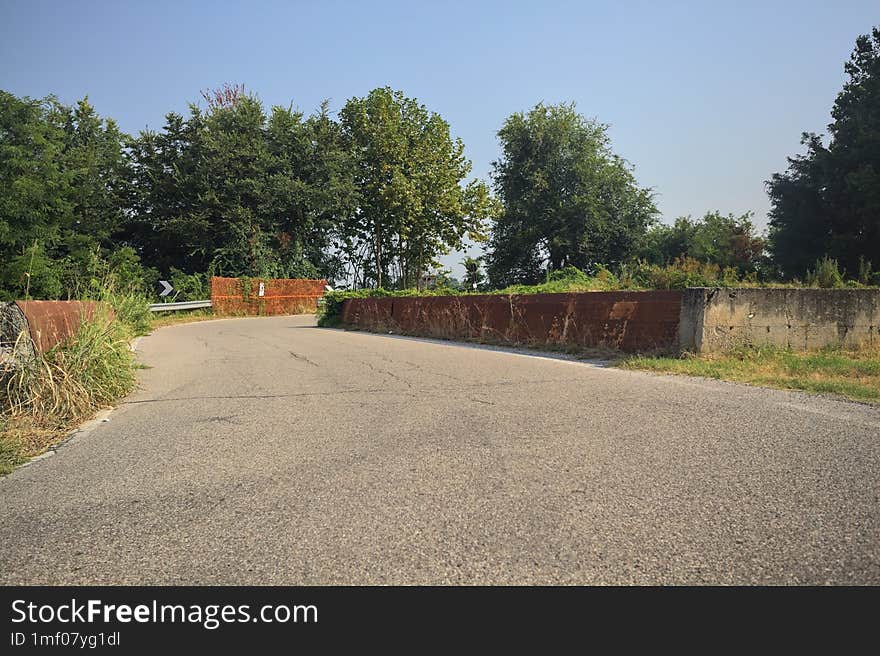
162, 319
43, 398
853, 373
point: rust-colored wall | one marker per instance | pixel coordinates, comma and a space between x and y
51, 322
367, 313
282, 296
629, 321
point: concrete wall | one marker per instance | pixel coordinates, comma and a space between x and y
697, 319
718, 319
629, 321
280, 296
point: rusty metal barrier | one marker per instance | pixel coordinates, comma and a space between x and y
265, 296
628, 321
47, 322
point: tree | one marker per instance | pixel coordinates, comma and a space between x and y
827, 204
35, 202
166, 186
311, 189
239, 192
473, 275
408, 172
568, 200
94, 158
728, 241
234, 165
62, 175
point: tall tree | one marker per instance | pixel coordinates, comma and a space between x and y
240, 192
473, 274
235, 169
412, 205
35, 202
310, 190
828, 201
62, 175
568, 199
167, 183
94, 157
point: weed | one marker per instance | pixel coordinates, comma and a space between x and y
43, 396
851, 372
827, 274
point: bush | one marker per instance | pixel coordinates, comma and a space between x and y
827, 275
82, 272
71, 381
33, 274
44, 395
132, 310
330, 306
190, 286
684, 272
866, 275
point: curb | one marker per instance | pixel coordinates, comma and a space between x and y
83, 429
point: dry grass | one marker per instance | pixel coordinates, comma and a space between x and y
850, 372
23, 437
42, 398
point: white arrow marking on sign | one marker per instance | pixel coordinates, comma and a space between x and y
167, 287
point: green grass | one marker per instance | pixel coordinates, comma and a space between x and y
853, 373
43, 398
161, 319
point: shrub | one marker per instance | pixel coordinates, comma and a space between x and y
44, 395
32, 274
132, 310
866, 276
684, 272
86, 372
827, 274
190, 286
330, 306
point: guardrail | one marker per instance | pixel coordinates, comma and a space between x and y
182, 305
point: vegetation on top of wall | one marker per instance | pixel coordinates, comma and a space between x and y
330, 305
681, 273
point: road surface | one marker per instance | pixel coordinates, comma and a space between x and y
269, 451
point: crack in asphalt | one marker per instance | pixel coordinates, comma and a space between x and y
388, 373
303, 358
375, 390
233, 397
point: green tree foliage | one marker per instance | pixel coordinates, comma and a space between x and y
62, 181
240, 192
164, 192
828, 201
95, 160
412, 206
728, 241
568, 200
473, 272
230, 189
35, 198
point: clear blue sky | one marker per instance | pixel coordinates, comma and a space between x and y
706, 99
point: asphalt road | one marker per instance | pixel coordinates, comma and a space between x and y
268, 451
